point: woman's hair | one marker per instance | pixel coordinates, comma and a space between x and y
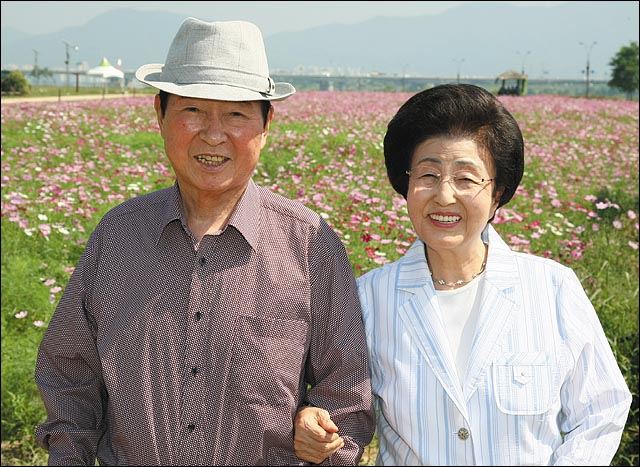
456, 111
164, 99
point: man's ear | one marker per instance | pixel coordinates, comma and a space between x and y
158, 107
267, 124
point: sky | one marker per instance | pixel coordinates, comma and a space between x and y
273, 17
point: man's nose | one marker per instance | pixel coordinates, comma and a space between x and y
213, 132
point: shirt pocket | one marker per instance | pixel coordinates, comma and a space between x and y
268, 359
523, 383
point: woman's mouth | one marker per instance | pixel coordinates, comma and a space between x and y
445, 219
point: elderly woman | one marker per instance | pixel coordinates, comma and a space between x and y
479, 355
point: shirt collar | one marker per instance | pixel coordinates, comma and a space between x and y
501, 269
170, 211
245, 217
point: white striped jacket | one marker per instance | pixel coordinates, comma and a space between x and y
542, 386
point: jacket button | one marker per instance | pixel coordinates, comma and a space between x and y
463, 433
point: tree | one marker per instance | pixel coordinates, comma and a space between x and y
625, 69
38, 73
14, 82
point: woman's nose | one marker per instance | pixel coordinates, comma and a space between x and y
445, 191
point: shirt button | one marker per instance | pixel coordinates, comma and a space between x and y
198, 316
463, 433
202, 261
191, 427
194, 371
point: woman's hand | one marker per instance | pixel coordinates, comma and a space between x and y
316, 436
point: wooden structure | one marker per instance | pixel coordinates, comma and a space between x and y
513, 83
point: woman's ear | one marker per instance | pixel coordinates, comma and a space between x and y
496, 201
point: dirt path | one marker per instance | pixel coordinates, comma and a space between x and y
17, 100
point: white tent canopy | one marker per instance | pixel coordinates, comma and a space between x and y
106, 70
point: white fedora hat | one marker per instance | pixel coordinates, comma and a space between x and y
223, 60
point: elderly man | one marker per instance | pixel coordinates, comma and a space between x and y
201, 317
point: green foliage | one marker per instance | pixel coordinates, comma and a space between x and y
38, 72
14, 82
625, 69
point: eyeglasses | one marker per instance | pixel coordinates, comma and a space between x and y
463, 184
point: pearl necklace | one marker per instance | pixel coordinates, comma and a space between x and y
459, 283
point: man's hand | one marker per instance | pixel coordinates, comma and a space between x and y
316, 436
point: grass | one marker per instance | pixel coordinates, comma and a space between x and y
64, 166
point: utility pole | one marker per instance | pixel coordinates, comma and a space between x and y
68, 46
524, 57
588, 71
458, 62
36, 72
404, 77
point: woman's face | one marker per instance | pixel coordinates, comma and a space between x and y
450, 193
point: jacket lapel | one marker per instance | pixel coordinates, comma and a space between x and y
421, 317
500, 303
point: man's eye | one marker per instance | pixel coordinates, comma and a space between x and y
191, 109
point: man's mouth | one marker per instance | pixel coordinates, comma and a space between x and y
212, 161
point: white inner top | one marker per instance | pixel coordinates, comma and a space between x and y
459, 310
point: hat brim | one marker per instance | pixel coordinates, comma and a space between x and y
152, 75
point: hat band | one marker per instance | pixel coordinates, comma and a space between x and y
198, 74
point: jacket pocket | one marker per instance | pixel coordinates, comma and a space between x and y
524, 383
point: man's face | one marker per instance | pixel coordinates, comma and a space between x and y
213, 146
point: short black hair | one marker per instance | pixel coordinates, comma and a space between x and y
164, 98
456, 110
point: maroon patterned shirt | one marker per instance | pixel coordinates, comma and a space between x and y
161, 353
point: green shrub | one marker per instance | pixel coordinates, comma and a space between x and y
14, 82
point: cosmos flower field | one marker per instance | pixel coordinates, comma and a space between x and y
64, 165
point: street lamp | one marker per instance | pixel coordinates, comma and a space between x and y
524, 57
68, 46
404, 76
458, 61
588, 48
36, 72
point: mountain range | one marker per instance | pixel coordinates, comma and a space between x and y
473, 39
